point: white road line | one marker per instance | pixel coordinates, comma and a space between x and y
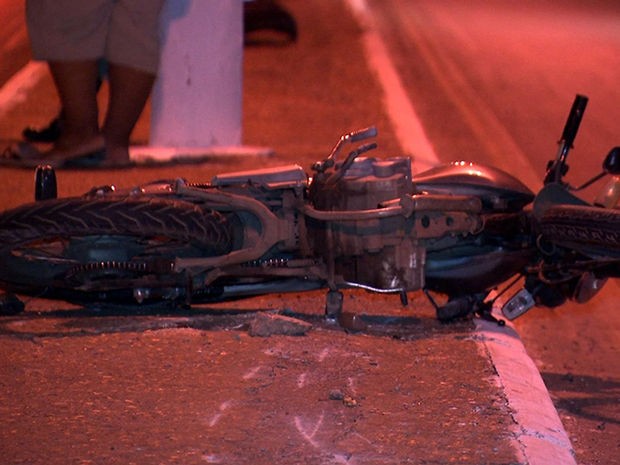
16, 90
405, 120
490, 132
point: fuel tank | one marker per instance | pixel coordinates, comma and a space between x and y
498, 190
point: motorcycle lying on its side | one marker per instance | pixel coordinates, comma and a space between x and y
461, 230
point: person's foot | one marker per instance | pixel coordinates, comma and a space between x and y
27, 155
69, 147
116, 155
92, 151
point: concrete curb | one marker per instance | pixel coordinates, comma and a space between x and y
153, 155
540, 435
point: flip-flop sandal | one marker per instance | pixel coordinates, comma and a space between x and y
25, 155
88, 160
93, 160
111, 165
21, 154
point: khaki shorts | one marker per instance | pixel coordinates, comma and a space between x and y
124, 32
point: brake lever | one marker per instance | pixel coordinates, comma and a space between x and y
341, 171
354, 136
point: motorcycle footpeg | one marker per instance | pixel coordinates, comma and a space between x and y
518, 304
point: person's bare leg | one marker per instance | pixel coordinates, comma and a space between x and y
76, 82
129, 91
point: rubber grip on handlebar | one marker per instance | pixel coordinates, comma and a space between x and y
574, 119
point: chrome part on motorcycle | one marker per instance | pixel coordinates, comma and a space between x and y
518, 304
496, 189
271, 178
610, 194
355, 136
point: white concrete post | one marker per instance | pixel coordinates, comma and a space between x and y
197, 99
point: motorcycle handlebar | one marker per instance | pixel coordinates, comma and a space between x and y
557, 168
574, 119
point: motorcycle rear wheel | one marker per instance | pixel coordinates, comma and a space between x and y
583, 225
104, 249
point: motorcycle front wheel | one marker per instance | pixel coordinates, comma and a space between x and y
106, 249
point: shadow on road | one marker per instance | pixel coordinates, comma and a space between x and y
70, 321
586, 396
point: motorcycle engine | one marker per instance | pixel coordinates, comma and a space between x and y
381, 253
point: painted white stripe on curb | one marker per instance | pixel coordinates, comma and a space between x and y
16, 90
541, 434
407, 125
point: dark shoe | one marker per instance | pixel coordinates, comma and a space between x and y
267, 15
50, 133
